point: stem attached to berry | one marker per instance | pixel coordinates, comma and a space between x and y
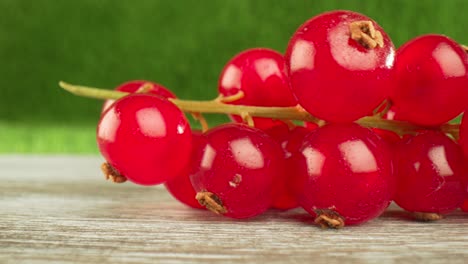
465, 48
287, 113
212, 106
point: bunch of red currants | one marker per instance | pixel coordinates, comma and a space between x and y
339, 66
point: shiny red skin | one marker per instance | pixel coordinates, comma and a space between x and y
261, 74
238, 164
331, 73
345, 168
146, 138
284, 197
464, 145
430, 174
464, 135
133, 86
310, 125
180, 187
464, 206
390, 137
431, 75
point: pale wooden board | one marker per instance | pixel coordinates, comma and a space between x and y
58, 209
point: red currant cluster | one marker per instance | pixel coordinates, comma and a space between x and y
340, 67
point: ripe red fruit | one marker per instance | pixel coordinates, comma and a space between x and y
284, 197
135, 86
180, 187
345, 172
464, 145
234, 172
310, 126
333, 71
464, 206
430, 173
464, 135
260, 73
431, 74
145, 138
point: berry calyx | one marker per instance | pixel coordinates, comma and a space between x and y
110, 173
365, 34
211, 202
329, 218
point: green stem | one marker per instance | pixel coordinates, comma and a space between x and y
291, 113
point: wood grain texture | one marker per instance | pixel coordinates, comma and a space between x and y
58, 209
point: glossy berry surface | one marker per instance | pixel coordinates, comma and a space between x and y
331, 73
180, 187
134, 86
430, 174
464, 135
146, 138
431, 74
347, 169
284, 197
464, 145
388, 136
261, 74
238, 165
464, 206
310, 125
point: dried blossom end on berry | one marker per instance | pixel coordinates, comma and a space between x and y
112, 174
329, 218
427, 217
365, 34
211, 202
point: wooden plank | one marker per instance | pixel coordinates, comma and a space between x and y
59, 209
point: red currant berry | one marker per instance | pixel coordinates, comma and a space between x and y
284, 197
261, 75
310, 125
338, 61
464, 206
430, 174
431, 86
345, 175
235, 170
464, 135
180, 187
145, 138
139, 85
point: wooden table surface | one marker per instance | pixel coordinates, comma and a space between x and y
59, 209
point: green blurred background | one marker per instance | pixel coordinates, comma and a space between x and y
180, 44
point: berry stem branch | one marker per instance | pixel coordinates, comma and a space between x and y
288, 113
